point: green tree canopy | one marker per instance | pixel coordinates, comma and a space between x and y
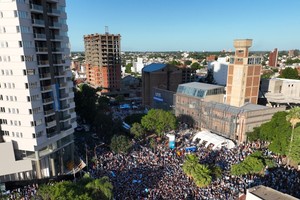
128, 68
134, 118
159, 121
277, 131
199, 173
85, 189
196, 66
187, 62
120, 144
137, 130
295, 147
253, 164
289, 73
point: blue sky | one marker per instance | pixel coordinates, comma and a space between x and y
188, 25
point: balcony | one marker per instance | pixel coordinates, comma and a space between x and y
46, 88
39, 36
58, 62
50, 124
57, 50
43, 62
38, 22
49, 112
64, 117
64, 107
35, 7
45, 75
64, 128
53, 11
48, 100
61, 85
55, 25
56, 37
41, 49
63, 96
63, 73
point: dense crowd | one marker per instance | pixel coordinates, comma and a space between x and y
148, 173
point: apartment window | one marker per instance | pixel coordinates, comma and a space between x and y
18, 29
33, 135
26, 85
16, 99
31, 71
1, 97
2, 109
20, 44
24, 72
13, 134
17, 134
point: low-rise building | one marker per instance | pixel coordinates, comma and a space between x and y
201, 106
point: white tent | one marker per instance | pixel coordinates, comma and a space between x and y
216, 140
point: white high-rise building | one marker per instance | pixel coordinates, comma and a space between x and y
138, 66
37, 109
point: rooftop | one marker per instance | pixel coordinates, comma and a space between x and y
154, 67
202, 86
268, 193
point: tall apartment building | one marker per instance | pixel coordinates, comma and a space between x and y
37, 110
243, 76
103, 61
273, 58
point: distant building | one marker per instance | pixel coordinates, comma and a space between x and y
273, 56
220, 68
243, 75
159, 75
201, 106
291, 53
103, 61
211, 58
137, 66
283, 92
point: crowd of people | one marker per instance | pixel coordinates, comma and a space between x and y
147, 173
21, 193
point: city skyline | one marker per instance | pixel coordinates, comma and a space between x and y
187, 25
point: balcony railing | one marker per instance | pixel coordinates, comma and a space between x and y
41, 49
38, 22
55, 24
49, 112
64, 107
51, 124
63, 96
36, 7
39, 36
45, 88
65, 117
48, 100
64, 128
43, 62
53, 11
45, 75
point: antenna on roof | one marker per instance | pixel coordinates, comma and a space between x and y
106, 29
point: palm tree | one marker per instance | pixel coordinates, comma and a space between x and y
101, 188
293, 117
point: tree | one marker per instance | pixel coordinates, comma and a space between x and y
85, 189
295, 147
252, 164
159, 121
137, 130
195, 66
85, 101
277, 131
103, 124
120, 144
134, 118
289, 73
187, 62
174, 62
210, 77
199, 173
101, 188
128, 68
293, 117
